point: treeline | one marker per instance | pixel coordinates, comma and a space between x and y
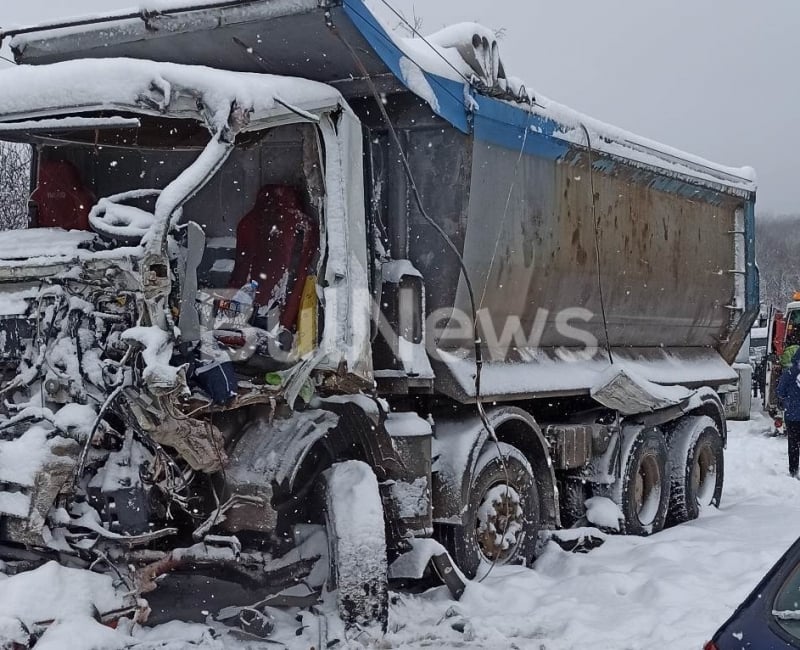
15, 162
778, 257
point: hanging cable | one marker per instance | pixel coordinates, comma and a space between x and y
508, 204
484, 418
418, 202
426, 41
433, 80
597, 244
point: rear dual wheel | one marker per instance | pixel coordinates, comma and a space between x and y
642, 492
698, 468
668, 484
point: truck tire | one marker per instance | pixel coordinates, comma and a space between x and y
356, 544
501, 521
698, 468
642, 492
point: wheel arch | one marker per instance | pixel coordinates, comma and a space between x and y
358, 435
458, 444
710, 404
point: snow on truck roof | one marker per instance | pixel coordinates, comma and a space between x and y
90, 85
435, 67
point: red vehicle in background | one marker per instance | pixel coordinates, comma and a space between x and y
784, 333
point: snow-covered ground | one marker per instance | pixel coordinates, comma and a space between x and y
669, 591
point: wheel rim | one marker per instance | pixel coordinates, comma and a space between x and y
499, 524
704, 475
647, 490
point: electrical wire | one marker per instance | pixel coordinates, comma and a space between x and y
416, 32
484, 418
597, 244
433, 80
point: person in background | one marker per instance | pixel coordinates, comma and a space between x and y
789, 395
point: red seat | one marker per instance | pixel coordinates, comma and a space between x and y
62, 201
276, 245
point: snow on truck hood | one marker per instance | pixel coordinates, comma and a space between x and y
42, 242
86, 85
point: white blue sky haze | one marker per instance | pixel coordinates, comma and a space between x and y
713, 77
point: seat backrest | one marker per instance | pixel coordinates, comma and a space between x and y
276, 243
62, 200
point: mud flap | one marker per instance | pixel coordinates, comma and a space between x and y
576, 540
413, 564
447, 571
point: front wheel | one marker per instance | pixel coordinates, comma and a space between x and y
356, 544
698, 468
501, 519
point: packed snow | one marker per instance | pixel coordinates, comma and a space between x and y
603, 512
669, 591
156, 353
42, 242
91, 85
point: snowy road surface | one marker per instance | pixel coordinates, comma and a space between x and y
670, 591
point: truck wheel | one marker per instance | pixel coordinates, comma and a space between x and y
698, 468
643, 490
356, 544
501, 521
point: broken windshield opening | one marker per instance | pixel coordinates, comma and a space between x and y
240, 268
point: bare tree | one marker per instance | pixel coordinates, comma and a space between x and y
777, 246
412, 27
15, 166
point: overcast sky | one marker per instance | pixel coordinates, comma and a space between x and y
714, 77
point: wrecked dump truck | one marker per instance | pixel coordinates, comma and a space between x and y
304, 304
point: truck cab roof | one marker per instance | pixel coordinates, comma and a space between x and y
149, 88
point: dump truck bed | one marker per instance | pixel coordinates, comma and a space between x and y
562, 221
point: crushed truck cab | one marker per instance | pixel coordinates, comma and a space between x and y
304, 286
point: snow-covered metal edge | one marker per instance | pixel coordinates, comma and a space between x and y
443, 72
164, 89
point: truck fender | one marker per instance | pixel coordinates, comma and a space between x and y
457, 444
703, 401
706, 401
605, 469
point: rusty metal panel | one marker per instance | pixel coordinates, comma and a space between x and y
662, 253
663, 259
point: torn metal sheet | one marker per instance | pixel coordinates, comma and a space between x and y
624, 391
